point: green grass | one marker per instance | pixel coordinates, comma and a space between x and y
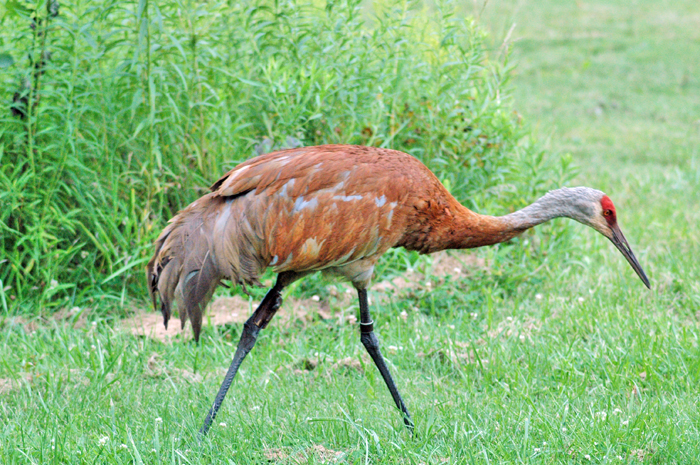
553, 353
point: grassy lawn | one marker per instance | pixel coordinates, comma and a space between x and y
573, 362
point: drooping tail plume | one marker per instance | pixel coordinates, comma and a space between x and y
215, 237
183, 269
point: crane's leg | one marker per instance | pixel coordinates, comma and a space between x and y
371, 343
259, 320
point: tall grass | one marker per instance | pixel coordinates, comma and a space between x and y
116, 114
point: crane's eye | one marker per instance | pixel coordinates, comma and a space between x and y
607, 212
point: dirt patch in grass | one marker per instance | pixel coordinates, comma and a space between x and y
321, 453
524, 328
308, 365
223, 311
157, 369
457, 356
456, 264
74, 317
151, 325
350, 363
8, 385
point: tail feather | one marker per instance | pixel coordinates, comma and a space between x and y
198, 280
165, 287
159, 277
186, 269
182, 270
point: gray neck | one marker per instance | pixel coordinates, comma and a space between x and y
576, 203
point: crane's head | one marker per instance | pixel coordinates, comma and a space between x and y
595, 209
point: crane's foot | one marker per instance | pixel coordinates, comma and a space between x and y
371, 343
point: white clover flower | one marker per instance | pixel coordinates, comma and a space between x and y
103, 440
222, 424
587, 457
123, 446
159, 420
539, 296
581, 300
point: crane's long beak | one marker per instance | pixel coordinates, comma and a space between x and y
621, 243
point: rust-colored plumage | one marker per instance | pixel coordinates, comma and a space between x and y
337, 209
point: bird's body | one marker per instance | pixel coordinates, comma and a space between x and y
331, 208
336, 209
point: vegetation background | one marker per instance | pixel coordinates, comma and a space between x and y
124, 112
117, 114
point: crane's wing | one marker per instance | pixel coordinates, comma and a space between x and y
318, 207
316, 167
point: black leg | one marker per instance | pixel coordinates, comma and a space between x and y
259, 320
371, 343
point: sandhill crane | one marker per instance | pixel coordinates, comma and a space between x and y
336, 209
